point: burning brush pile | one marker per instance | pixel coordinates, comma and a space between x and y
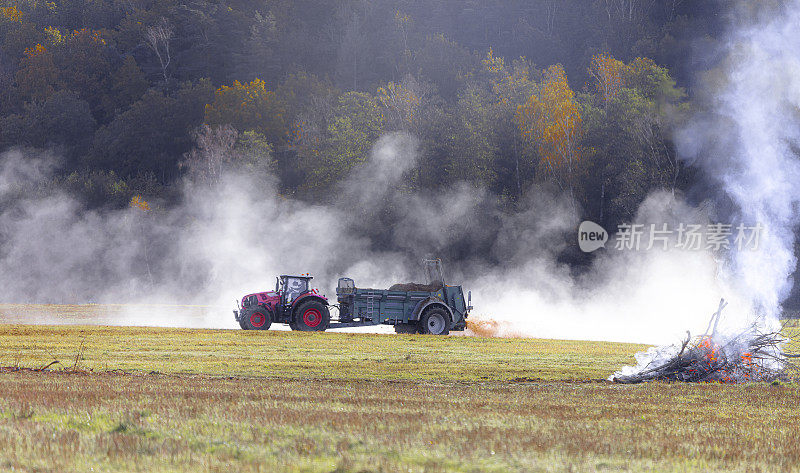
752, 355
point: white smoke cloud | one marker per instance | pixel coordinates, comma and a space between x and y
15, 168
747, 142
225, 240
392, 156
649, 296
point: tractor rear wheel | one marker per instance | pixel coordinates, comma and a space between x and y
435, 321
257, 318
312, 316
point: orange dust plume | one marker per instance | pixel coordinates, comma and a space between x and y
490, 328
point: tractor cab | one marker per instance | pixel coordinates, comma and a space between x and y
291, 287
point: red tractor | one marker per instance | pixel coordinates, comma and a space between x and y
292, 302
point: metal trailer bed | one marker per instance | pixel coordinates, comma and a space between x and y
360, 307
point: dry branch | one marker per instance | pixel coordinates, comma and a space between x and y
749, 356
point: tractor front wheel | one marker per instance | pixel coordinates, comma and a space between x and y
256, 319
435, 321
312, 316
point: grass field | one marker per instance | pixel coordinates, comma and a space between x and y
155, 399
308, 355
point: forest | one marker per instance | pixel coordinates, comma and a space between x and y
581, 96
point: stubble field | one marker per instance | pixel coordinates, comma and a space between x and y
163, 399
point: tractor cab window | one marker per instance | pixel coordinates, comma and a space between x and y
346, 286
295, 287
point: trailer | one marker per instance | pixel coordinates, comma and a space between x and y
431, 308
427, 310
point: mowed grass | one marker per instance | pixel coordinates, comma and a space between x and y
327, 355
155, 399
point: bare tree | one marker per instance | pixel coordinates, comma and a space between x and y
158, 38
352, 49
214, 148
551, 10
628, 10
675, 5
402, 23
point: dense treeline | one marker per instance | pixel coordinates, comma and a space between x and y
135, 93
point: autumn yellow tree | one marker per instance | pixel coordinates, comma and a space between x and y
11, 14
492, 63
653, 81
551, 120
141, 209
608, 75
248, 106
138, 203
511, 83
400, 105
650, 80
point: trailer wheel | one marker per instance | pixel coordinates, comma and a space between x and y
435, 321
406, 328
312, 316
258, 318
